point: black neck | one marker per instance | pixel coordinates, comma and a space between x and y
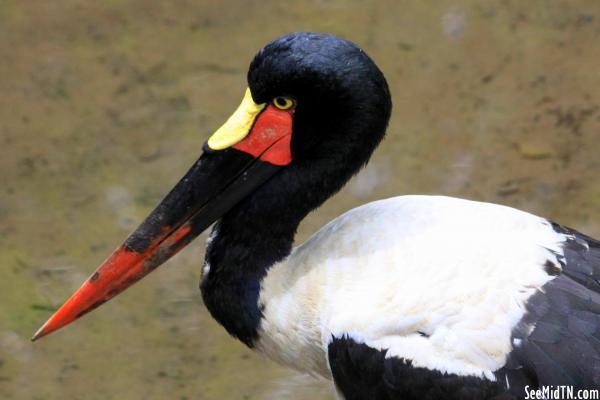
239, 255
259, 231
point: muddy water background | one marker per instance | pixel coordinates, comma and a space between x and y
104, 105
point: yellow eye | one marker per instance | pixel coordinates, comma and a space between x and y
283, 103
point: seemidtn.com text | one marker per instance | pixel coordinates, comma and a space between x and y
561, 392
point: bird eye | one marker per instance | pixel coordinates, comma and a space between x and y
283, 103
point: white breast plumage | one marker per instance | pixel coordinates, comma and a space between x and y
394, 274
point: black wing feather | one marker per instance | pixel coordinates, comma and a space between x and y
558, 340
361, 372
581, 261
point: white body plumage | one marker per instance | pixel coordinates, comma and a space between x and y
436, 280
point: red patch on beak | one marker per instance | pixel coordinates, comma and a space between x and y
270, 136
122, 269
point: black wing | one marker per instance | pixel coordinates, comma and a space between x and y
581, 261
361, 372
558, 340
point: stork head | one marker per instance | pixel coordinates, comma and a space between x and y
315, 108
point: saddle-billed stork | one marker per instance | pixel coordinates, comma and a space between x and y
413, 297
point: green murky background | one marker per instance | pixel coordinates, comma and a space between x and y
104, 105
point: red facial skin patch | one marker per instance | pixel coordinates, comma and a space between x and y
270, 137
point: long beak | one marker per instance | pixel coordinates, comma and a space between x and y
223, 175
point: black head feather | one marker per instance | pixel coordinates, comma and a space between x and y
343, 107
343, 99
